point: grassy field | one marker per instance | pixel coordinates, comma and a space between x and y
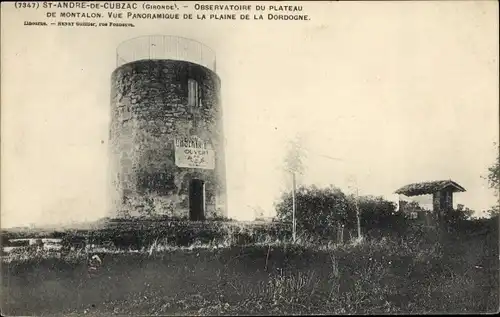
458, 275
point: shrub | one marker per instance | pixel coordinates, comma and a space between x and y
140, 234
318, 210
377, 213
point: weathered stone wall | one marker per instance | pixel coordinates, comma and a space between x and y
149, 105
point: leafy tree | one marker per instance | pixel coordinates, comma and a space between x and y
457, 217
464, 213
494, 211
379, 216
375, 211
493, 178
319, 210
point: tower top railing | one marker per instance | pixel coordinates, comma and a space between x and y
165, 47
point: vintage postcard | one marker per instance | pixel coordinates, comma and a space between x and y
249, 158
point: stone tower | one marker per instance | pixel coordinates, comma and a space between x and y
166, 130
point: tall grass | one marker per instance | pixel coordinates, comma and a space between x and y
360, 276
249, 271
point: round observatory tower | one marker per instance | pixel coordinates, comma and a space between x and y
166, 133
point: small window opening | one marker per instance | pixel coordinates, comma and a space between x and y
193, 93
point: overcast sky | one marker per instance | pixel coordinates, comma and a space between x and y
401, 92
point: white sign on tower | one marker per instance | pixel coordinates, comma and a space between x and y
193, 152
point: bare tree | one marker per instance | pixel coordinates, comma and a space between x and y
353, 186
295, 155
294, 164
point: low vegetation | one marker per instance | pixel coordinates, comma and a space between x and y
424, 271
177, 267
